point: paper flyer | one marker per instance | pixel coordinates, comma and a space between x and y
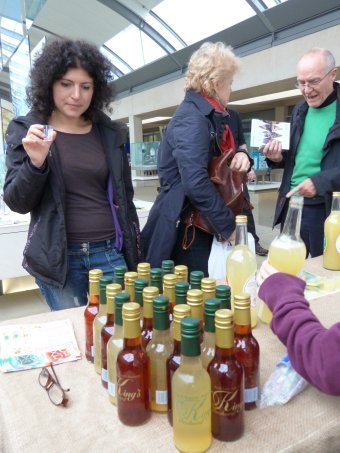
264, 130
28, 346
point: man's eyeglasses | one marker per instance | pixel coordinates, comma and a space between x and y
50, 382
311, 83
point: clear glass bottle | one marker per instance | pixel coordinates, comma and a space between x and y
208, 287
133, 371
173, 361
191, 400
156, 278
107, 331
181, 289
223, 293
91, 311
208, 344
143, 271
195, 279
181, 272
158, 349
242, 266
247, 350
169, 281
331, 254
119, 272
129, 284
195, 302
147, 327
99, 321
115, 345
227, 381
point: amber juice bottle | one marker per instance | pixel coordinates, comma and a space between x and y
191, 388
115, 344
91, 311
227, 380
173, 361
208, 344
133, 371
129, 284
147, 327
247, 350
158, 349
99, 321
107, 330
169, 281
195, 301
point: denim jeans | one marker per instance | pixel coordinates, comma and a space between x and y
81, 258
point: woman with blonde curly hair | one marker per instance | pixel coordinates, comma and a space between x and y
197, 132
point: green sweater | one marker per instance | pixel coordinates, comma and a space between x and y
318, 121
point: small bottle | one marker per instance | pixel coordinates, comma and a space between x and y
208, 344
227, 382
181, 289
158, 349
173, 361
181, 272
133, 371
140, 284
331, 254
208, 287
107, 330
147, 327
98, 323
143, 271
129, 284
119, 272
168, 267
242, 267
223, 293
156, 278
91, 311
195, 279
247, 350
190, 389
115, 345
169, 281
195, 301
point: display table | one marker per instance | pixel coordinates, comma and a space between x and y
30, 423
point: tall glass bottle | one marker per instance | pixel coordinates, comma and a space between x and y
140, 284
227, 382
181, 272
107, 330
115, 345
133, 371
143, 271
195, 302
247, 350
208, 287
190, 388
168, 267
195, 279
169, 281
147, 328
98, 323
208, 344
242, 266
181, 289
129, 284
331, 254
119, 272
159, 348
173, 361
223, 293
156, 278
91, 311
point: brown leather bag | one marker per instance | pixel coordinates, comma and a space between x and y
228, 183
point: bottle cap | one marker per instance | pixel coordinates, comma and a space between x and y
120, 300
168, 266
120, 270
180, 311
223, 293
94, 275
103, 282
130, 277
161, 308
242, 309
169, 280
181, 289
181, 272
131, 312
224, 328
190, 334
149, 292
195, 297
195, 279
112, 289
210, 307
241, 219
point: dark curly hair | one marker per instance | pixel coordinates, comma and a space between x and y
55, 60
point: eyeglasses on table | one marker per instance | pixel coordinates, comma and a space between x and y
50, 382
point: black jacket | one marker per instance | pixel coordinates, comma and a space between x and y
328, 179
43, 195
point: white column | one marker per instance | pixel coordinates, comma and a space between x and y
136, 129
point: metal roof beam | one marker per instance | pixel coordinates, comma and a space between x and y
258, 6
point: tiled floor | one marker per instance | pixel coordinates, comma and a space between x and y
22, 298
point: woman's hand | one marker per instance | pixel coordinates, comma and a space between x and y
273, 151
240, 162
265, 271
37, 145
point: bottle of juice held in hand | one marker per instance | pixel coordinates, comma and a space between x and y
331, 254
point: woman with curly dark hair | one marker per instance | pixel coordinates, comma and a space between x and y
67, 167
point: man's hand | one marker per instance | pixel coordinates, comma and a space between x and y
273, 151
305, 189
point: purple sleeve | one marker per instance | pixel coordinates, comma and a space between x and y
314, 351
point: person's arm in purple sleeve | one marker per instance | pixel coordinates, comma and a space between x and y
314, 351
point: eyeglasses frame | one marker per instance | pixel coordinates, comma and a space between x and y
312, 83
51, 381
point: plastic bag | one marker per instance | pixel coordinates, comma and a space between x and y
282, 385
217, 263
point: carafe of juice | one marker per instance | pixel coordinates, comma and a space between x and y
331, 253
242, 267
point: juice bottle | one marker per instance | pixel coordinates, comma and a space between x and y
99, 322
331, 254
91, 311
242, 267
149, 292
208, 344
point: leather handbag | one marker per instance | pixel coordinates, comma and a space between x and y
228, 183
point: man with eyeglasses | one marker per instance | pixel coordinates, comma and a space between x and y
312, 163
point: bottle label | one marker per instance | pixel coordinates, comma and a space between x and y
227, 402
250, 288
192, 410
161, 397
128, 388
337, 244
251, 395
104, 375
111, 389
92, 351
